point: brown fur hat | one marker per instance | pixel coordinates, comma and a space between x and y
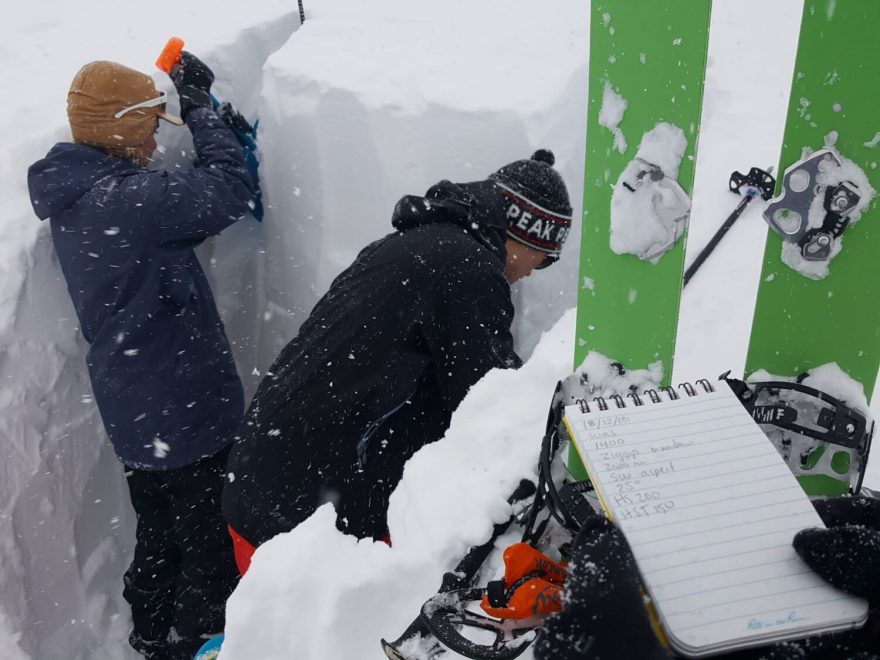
98, 92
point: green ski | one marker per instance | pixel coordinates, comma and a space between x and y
646, 74
819, 295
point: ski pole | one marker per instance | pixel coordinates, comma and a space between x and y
302, 13
757, 181
461, 576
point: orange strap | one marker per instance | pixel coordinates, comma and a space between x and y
243, 551
532, 584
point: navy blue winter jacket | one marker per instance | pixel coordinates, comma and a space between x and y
160, 364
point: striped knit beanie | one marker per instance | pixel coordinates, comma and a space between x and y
537, 206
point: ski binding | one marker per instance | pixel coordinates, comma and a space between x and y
789, 213
654, 198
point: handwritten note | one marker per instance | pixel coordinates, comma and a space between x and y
709, 509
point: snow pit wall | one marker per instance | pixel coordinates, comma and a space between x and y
335, 161
353, 118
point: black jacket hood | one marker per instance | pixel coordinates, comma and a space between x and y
68, 172
477, 207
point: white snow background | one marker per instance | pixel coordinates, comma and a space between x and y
363, 104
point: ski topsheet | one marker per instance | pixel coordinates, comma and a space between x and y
646, 73
647, 65
811, 313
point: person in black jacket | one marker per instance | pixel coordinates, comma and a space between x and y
160, 364
390, 351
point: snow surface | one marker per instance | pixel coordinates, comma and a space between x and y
361, 105
611, 114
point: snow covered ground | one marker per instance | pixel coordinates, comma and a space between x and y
361, 105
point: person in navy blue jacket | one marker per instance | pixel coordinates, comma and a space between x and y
159, 361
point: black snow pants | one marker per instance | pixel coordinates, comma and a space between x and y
183, 569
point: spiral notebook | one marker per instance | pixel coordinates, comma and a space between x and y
709, 509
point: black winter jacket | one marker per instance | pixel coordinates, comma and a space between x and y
378, 367
160, 364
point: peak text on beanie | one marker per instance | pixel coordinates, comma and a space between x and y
537, 205
112, 106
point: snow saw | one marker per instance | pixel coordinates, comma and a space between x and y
814, 206
244, 131
824, 442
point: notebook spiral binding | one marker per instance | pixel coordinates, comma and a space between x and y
672, 395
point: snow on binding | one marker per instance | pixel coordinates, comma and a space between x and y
649, 209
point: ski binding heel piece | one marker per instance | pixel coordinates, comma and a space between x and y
809, 212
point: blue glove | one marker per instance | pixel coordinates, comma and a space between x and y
847, 553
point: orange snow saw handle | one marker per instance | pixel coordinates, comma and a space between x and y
170, 55
532, 585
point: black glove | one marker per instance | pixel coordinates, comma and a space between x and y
847, 554
234, 119
603, 615
193, 80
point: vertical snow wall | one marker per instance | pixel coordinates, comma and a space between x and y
360, 110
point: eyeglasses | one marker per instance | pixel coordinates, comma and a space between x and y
150, 103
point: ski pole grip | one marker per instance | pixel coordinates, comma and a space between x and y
170, 55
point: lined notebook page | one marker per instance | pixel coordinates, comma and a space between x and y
709, 509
